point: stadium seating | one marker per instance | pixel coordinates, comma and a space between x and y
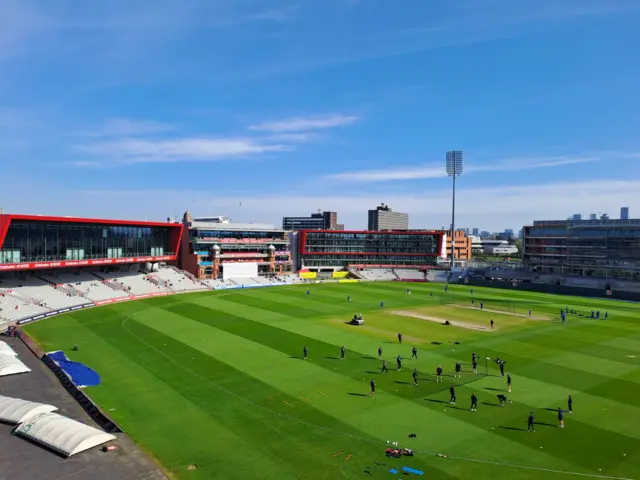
408, 274
177, 281
87, 284
438, 276
376, 274
134, 283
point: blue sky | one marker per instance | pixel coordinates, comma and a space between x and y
143, 109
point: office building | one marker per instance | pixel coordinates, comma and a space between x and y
475, 232
593, 216
315, 221
603, 247
624, 213
577, 216
383, 218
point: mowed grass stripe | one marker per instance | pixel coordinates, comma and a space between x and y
267, 433
224, 359
366, 412
154, 425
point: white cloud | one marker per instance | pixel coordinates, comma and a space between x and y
127, 126
438, 170
131, 150
492, 208
301, 124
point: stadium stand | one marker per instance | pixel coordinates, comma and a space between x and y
438, 276
177, 281
134, 283
87, 284
375, 274
408, 274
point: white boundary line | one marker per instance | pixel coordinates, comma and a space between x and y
369, 440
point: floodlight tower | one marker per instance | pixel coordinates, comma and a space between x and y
454, 169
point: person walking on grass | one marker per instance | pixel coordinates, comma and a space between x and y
570, 404
415, 376
380, 352
452, 391
305, 352
384, 370
342, 352
561, 417
439, 374
373, 387
531, 424
458, 370
474, 364
509, 382
492, 324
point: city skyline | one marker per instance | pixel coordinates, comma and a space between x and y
259, 110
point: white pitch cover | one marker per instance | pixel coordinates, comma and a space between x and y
62, 434
16, 410
239, 270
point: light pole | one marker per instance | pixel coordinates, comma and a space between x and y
454, 169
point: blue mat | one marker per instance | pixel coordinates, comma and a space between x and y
81, 375
413, 470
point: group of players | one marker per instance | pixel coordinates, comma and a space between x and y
502, 398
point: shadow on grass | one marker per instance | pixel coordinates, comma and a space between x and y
298, 358
436, 401
494, 389
368, 357
490, 404
332, 358
436, 343
358, 394
514, 428
551, 409
373, 373
402, 383
546, 424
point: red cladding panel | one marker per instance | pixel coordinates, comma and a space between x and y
4, 226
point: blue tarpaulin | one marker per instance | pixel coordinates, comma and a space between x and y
80, 375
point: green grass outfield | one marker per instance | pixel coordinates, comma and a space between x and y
217, 380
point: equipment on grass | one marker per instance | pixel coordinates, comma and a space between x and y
357, 320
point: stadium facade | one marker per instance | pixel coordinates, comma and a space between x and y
330, 249
34, 242
215, 247
601, 248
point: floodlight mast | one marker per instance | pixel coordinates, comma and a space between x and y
454, 169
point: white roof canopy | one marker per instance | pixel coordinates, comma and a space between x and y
62, 434
10, 365
16, 410
5, 349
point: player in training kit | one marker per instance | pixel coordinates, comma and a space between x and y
502, 368
502, 398
606, 315
439, 374
399, 362
381, 304
481, 305
384, 368
458, 370
531, 424
308, 292
492, 324
473, 357
348, 298
305, 352
380, 352
561, 417
474, 402
373, 387
570, 404
414, 353
399, 338
509, 382
529, 312
452, 391
342, 352
415, 376
474, 364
